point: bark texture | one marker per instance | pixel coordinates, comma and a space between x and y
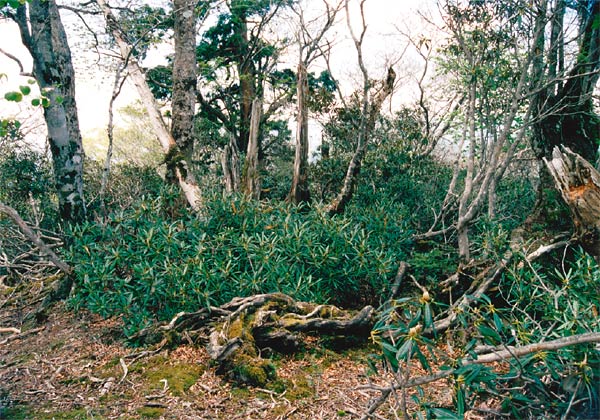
230, 163
579, 184
251, 176
184, 76
44, 36
299, 192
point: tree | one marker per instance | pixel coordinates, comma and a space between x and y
564, 103
369, 111
490, 55
44, 36
175, 160
309, 50
236, 62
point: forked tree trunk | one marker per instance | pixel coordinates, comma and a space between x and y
579, 184
251, 174
44, 36
299, 192
173, 156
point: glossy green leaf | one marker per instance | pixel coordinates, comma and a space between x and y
489, 334
13, 96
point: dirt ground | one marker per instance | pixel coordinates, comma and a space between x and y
78, 366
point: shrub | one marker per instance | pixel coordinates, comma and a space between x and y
531, 304
145, 265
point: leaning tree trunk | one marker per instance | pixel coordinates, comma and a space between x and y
299, 192
338, 205
173, 156
44, 36
579, 184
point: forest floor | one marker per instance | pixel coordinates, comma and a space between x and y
78, 366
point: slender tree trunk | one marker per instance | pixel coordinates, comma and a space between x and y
251, 174
245, 68
44, 36
338, 205
299, 192
462, 225
173, 156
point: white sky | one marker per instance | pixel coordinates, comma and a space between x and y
382, 45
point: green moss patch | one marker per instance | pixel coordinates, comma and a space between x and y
150, 412
179, 376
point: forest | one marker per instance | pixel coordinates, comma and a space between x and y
288, 215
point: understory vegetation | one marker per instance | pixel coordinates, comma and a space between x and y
148, 258
292, 177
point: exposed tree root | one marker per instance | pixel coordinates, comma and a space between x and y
239, 331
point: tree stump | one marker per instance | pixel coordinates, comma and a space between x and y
579, 184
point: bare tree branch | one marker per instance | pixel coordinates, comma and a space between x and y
33, 237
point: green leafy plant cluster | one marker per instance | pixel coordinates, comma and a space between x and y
531, 304
147, 265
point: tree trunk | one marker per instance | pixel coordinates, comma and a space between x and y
567, 110
338, 205
251, 174
246, 71
230, 162
299, 192
579, 184
173, 156
44, 36
184, 77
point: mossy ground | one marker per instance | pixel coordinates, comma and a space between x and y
72, 370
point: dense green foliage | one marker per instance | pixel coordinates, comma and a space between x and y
143, 256
147, 265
